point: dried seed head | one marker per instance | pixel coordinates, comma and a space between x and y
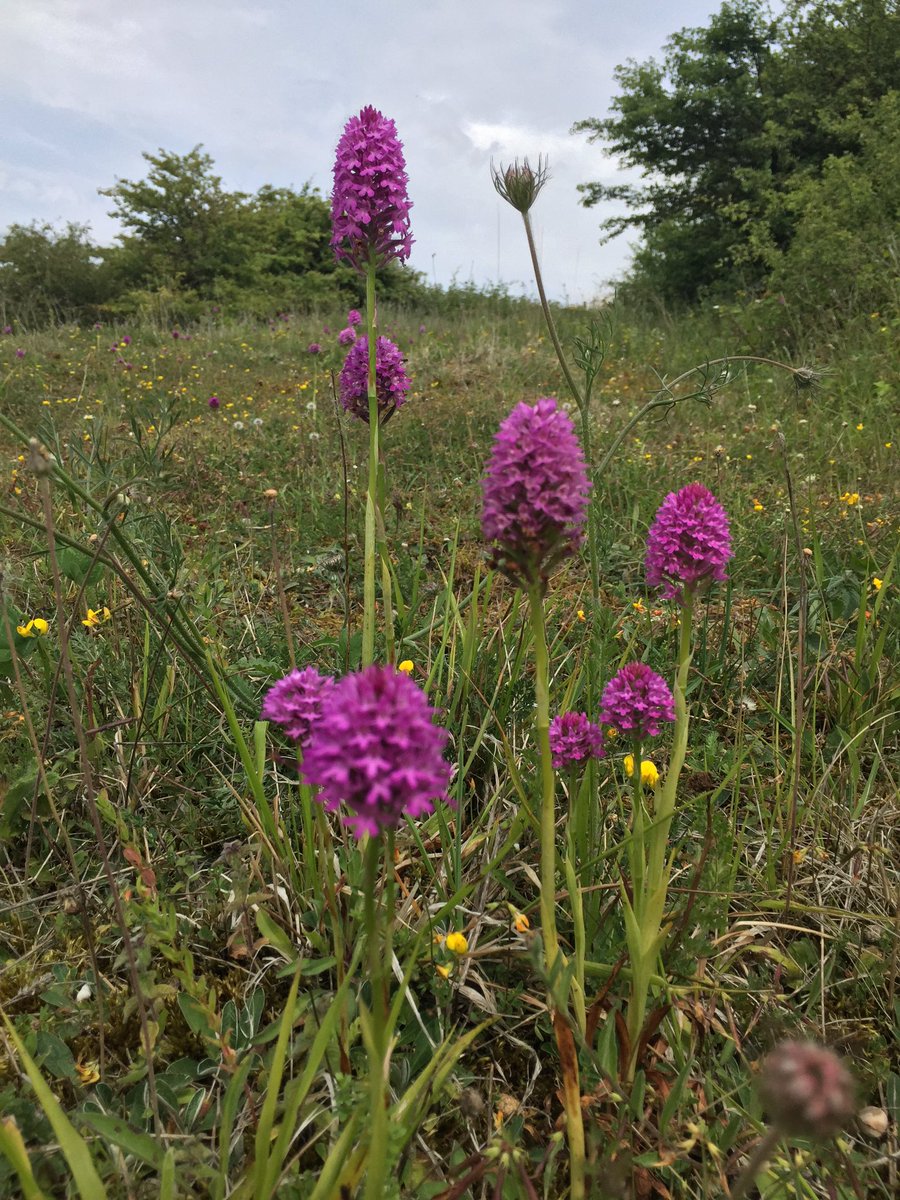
40, 461
519, 184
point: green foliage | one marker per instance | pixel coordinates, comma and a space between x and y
735, 133
188, 244
236, 887
48, 275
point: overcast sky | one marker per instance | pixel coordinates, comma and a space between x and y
267, 85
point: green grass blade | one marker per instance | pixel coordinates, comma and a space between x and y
74, 1147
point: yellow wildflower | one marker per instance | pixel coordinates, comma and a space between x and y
649, 773
88, 1072
406, 666
95, 618
36, 627
850, 498
580, 614
521, 924
456, 943
444, 972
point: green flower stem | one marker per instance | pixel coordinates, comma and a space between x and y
651, 865
368, 640
548, 781
762, 1152
548, 316
386, 581
376, 1162
552, 957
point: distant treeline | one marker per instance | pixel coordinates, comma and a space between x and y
188, 246
769, 152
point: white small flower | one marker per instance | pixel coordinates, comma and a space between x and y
310, 406
257, 422
238, 425
84, 994
314, 437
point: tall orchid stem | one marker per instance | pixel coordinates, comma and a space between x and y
552, 957
376, 1163
368, 640
650, 849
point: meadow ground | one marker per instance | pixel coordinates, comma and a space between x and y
197, 546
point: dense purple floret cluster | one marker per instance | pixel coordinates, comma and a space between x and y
391, 381
574, 739
636, 702
376, 749
807, 1090
689, 542
535, 491
295, 702
369, 203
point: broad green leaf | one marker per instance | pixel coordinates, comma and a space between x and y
117, 1131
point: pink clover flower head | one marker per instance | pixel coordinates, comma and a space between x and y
535, 491
574, 739
391, 381
376, 749
689, 542
636, 702
807, 1090
354, 316
346, 336
369, 203
313, 348
295, 702
214, 402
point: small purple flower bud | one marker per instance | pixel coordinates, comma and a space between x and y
346, 336
354, 316
213, 402
313, 348
20, 354
295, 701
574, 739
689, 542
375, 748
391, 381
636, 702
535, 491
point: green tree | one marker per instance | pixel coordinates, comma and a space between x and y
726, 128
182, 227
50, 275
695, 127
